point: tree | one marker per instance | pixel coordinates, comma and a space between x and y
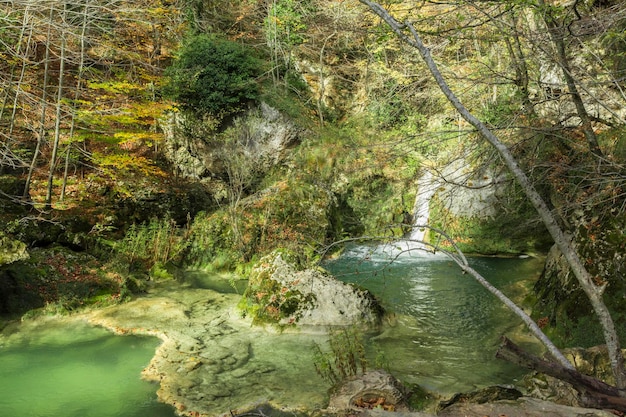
42, 121
57, 60
556, 32
408, 34
241, 170
213, 76
21, 54
58, 114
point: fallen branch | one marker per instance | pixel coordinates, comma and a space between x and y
593, 392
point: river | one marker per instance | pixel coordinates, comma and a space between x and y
447, 327
443, 336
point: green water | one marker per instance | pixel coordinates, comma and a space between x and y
448, 327
71, 369
444, 336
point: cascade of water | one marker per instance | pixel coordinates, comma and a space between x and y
426, 188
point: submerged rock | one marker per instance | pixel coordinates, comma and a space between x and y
522, 407
485, 395
280, 294
211, 362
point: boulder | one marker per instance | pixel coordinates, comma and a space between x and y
279, 293
370, 390
194, 149
11, 250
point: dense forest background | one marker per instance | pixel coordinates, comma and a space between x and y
103, 102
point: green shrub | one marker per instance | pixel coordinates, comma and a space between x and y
152, 244
346, 357
213, 76
211, 243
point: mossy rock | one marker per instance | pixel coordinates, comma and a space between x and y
11, 250
270, 300
280, 293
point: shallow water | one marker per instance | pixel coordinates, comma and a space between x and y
448, 327
444, 337
71, 369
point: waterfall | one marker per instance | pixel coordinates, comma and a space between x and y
426, 188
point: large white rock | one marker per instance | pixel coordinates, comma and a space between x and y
311, 297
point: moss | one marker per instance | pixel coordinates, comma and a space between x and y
269, 302
419, 399
57, 280
266, 300
11, 250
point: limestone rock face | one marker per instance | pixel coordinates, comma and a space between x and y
278, 293
192, 149
477, 198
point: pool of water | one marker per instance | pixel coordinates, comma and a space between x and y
447, 326
71, 369
443, 336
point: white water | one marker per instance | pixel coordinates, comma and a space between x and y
426, 188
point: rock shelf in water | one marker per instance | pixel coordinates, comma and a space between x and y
212, 361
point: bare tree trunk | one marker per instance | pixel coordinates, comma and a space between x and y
18, 86
518, 58
44, 104
81, 68
9, 81
563, 242
57, 123
322, 87
273, 41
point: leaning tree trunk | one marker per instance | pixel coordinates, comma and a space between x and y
593, 292
593, 392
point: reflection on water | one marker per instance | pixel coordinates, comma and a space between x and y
448, 326
75, 370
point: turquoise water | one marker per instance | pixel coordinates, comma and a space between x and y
447, 327
75, 370
443, 336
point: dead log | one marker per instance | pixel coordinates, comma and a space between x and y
593, 392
